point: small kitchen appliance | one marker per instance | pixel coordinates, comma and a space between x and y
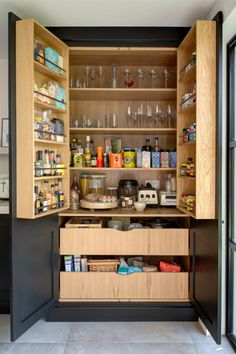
167, 198
148, 195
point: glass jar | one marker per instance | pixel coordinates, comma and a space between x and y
112, 191
84, 185
97, 184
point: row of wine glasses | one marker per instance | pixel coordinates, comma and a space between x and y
151, 116
123, 77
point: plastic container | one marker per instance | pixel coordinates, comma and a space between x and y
97, 184
84, 184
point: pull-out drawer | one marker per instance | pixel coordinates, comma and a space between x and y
134, 242
137, 286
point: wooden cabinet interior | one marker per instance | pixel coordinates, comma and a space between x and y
28, 71
202, 40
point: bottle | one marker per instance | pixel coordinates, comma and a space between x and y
57, 195
99, 156
146, 154
74, 194
73, 149
87, 153
61, 198
39, 171
52, 163
47, 165
78, 155
58, 166
156, 154
53, 197
44, 197
36, 200
93, 155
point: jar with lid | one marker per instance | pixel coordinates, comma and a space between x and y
97, 184
112, 191
84, 184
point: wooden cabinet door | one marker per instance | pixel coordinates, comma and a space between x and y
34, 243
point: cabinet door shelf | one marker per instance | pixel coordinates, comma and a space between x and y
48, 106
44, 178
106, 94
188, 143
188, 76
42, 69
190, 109
189, 178
188, 212
50, 142
123, 131
50, 212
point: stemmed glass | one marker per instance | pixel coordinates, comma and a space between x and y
129, 115
93, 76
153, 73
149, 116
141, 74
128, 81
100, 72
87, 73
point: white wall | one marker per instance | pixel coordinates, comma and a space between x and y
3, 108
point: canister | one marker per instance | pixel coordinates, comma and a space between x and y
165, 159
116, 160
172, 159
129, 158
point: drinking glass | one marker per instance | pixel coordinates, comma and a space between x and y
114, 79
141, 75
129, 115
71, 82
87, 71
93, 76
100, 72
157, 116
149, 116
141, 115
78, 83
128, 81
154, 74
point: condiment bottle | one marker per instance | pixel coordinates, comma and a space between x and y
52, 163
146, 154
39, 164
53, 197
87, 153
99, 156
74, 194
47, 165
61, 194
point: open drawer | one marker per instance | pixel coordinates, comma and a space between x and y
137, 286
114, 242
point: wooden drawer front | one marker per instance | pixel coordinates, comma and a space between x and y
92, 285
172, 242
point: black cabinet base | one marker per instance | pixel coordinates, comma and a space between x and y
122, 311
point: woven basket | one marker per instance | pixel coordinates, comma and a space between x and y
103, 265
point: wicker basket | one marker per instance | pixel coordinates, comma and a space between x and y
103, 265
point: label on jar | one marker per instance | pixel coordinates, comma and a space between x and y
146, 159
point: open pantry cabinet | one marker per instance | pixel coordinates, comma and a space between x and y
107, 295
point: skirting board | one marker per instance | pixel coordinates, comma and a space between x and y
122, 311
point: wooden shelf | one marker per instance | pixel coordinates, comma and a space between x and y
123, 131
188, 178
48, 106
42, 69
107, 94
119, 212
188, 143
50, 142
187, 212
45, 178
121, 169
189, 109
50, 212
189, 76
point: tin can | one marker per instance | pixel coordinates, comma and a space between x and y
129, 158
172, 159
165, 159
116, 160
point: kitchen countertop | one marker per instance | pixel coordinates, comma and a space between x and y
4, 207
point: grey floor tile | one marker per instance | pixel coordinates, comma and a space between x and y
35, 348
121, 348
46, 332
209, 348
197, 334
4, 329
129, 332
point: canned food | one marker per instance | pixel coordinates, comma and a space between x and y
116, 160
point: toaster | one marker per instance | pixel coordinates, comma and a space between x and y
167, 198
4, 187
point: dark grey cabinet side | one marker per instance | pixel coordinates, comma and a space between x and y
4, 263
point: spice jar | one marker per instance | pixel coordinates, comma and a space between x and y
129, 158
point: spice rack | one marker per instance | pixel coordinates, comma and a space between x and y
29, 71
203, 113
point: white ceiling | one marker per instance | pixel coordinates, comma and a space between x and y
106, 13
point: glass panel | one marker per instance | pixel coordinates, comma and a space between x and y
233, 291
232, 194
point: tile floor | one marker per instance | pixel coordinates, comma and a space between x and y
111, 338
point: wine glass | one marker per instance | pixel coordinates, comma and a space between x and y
93, 76
141, 74
128, 81
154, 74
141, 115
114, 79
149, 116
129, 115
100, 72
87, 72
157, 116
